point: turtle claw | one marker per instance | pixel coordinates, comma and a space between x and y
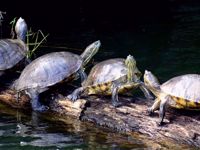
149, 111
72, 97
160, 123
116, 104
75, 95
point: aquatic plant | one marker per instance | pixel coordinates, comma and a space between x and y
33, 39
38, 38
1, 17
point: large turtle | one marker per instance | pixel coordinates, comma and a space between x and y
182, 92
111, 77
50, 69
13, 51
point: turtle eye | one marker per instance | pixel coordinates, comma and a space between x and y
138, 74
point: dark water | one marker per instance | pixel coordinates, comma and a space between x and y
19, 130
167, 48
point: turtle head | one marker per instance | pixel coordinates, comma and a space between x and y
133, 72
150, 80
21, 29
90, 51
130, 61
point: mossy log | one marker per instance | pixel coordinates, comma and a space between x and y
181, 127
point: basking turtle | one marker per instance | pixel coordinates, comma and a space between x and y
181, 92
12, 51
110, 77
50, 69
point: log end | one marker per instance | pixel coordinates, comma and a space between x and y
67, 107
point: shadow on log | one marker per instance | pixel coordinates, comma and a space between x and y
180, 128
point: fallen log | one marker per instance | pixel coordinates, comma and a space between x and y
181, 127
9, 97
67, 107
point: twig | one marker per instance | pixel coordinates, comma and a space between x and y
1, 17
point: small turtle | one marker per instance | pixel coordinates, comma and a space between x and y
12, 51
182, 92
50, 69
110, 77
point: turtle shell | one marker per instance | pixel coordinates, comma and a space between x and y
186, 87
11, 52
107, 71
48, 70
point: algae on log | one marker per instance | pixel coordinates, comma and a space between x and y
183, 127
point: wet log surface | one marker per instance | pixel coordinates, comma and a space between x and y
181, 127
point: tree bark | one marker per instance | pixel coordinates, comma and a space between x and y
180, 127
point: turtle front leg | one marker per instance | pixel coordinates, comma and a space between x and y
82, 74
76, 94
36, 105
154, 107
116, 88
162, 109
146, 92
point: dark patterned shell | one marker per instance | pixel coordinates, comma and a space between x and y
11, 52
185, 86
106, 71
48, 70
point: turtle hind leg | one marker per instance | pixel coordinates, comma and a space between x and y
75, 94
162, 109
36, 105
17, 96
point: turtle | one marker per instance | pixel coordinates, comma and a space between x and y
12, 51
181, 92
50, 69
110, 77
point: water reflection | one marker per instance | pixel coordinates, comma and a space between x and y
20, 130
166, 48
58, 140
33, 133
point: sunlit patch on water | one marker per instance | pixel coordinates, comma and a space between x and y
50, 139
